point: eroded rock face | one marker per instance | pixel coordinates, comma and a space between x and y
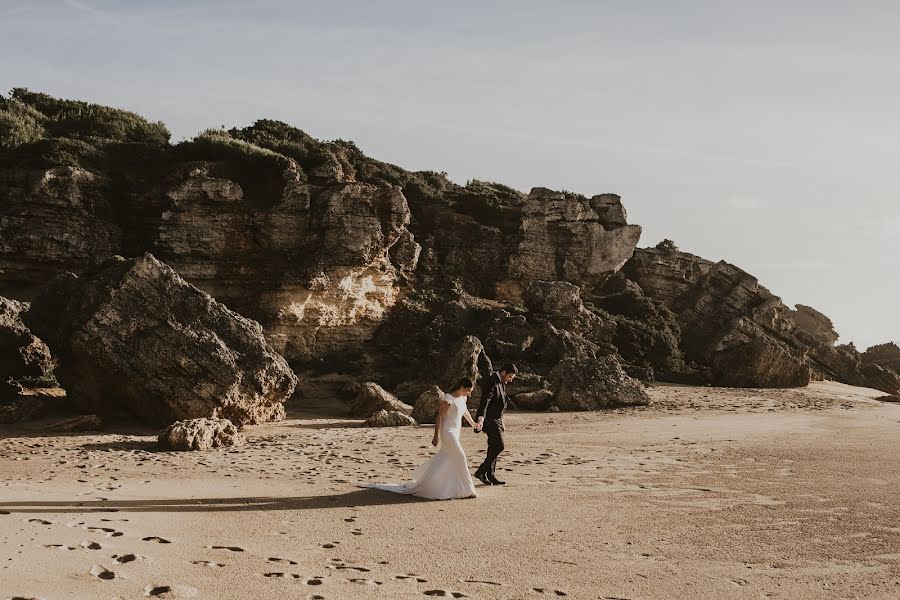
466, 359
21, 353
884, 355
591, 382
384, 418
568, 238
135, 337
52, 221
815, 323
372, 397
318, 268
200, 434
427, 404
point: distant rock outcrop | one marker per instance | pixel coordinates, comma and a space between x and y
134, 337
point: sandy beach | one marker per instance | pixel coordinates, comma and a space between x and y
708, 493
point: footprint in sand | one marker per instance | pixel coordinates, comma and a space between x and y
60, 547
101, 572
207, 563
546, 591
108, 531
229, 548
330, 545
170, 591
91, 545
481, 581
445, 593
412, 576
286, 560
126, 558
156, 539
40, 521
364, 581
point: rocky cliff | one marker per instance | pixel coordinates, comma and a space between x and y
355, 265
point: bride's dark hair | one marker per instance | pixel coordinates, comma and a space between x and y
465, 382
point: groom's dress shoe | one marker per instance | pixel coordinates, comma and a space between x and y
494, 480
483, 478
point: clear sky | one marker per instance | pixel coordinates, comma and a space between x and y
764, 133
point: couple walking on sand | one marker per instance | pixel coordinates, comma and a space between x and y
446, 474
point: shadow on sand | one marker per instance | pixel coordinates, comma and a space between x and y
356, 498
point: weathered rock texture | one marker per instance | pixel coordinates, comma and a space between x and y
393, 418
590, 382
200, 434
134, 337
427, 404
51, 221
569, 238
372, 398
738, 333
21, 353
357, 266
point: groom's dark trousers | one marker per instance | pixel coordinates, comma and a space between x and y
491, 407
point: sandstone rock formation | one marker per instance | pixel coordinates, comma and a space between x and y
372, 397
570, 238
427, 404
884, 355
590, 382
393, 418
134, 337
21, 353
51, 221
536, 400
200, 434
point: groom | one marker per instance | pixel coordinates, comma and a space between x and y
490, 420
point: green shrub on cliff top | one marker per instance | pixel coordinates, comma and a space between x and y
19, 124
85, 121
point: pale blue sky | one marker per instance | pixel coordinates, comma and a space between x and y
763, 133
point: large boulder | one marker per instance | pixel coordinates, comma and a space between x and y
21, 353
590, 382
133, 336
427, 404
385, 418
372, 397
466, 358
200, 434
534, 400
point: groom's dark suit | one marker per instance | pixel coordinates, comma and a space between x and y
491, 407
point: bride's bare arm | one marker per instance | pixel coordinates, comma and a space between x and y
442, 412
468, 417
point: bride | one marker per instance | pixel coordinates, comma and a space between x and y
446, 474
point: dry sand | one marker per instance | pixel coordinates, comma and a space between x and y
710, 493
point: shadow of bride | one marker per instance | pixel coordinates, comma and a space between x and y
356, 498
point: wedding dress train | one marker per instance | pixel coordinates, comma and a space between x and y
446, 474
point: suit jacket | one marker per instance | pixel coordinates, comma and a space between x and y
493, 402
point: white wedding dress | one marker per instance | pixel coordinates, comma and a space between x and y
446, 474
